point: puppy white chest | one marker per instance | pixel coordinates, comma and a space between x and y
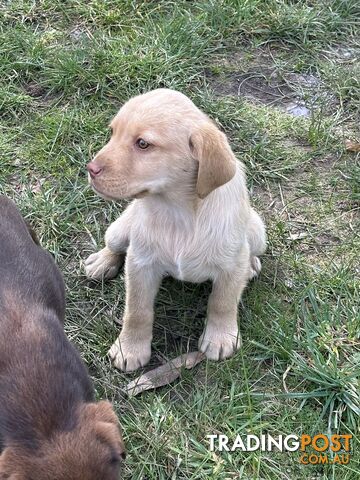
190, 269
183, 254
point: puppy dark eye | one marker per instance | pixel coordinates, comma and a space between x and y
141, 143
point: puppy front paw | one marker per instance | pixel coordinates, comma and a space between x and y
103, 264
129, 353
218, 344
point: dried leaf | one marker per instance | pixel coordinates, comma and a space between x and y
37, 185
352, 146
164, 374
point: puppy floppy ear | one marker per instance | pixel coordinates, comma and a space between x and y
109, 434
101, 411
106, 425
217, 163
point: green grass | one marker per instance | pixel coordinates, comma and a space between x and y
65, 69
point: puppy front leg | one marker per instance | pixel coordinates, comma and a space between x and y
132, 349
221, 336
105, 263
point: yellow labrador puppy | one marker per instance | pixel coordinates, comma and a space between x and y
191, 219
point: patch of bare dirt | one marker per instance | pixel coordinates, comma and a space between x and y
297, 143
35, 89
40, 94
263, 86
326, 163
261, 81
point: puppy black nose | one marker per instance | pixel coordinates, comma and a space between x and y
94, 169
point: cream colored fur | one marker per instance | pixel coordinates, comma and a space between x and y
191, 219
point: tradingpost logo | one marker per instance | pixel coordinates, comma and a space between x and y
313, 449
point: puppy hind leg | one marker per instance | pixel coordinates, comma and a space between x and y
256, 235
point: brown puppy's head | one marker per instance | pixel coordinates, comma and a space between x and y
93, 450
161, 142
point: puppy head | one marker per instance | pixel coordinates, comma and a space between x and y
160, 142
94, 450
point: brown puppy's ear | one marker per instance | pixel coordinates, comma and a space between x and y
106, 425
217, 163
101, 411
110, 434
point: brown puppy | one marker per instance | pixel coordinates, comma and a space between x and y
50, 427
